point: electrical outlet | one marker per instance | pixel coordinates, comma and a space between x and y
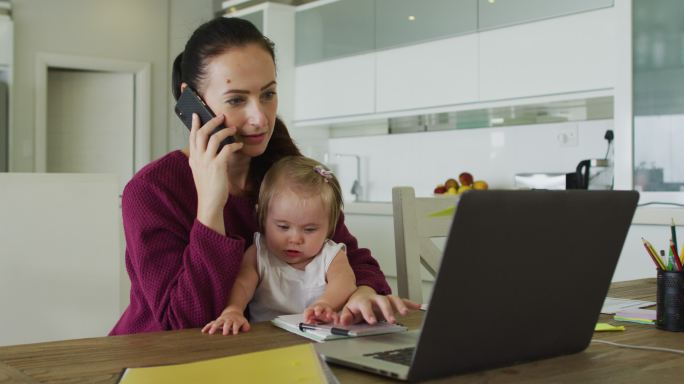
567, 136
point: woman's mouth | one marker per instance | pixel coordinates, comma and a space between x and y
253, 139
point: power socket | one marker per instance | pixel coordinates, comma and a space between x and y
567, 136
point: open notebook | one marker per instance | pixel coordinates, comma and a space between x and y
325, 331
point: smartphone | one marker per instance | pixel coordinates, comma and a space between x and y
190, 102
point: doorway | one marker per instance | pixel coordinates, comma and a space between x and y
90, 122
139, 72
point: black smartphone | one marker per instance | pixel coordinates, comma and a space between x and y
190, 102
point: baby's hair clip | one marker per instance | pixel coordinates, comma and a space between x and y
327, 175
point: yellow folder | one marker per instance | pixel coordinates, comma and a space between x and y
296, 364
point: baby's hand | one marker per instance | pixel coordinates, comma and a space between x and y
320, 311
229, 320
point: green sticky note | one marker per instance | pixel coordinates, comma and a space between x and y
605, 327
445, 212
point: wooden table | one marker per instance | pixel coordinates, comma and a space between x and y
101, 360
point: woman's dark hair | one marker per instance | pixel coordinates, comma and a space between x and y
211, 39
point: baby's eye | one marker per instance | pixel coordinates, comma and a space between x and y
310, 230
283, 226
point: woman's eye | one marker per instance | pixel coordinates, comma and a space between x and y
234, 101
268, 95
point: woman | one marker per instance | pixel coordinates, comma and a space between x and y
190, 215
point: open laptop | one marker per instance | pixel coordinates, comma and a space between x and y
523, 277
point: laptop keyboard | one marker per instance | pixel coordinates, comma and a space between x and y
399, 356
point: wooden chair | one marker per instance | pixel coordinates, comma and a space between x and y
415, 227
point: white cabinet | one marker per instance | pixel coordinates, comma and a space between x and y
560, 55
335, 88
441, 72
5, 41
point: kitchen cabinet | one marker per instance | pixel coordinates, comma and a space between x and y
335, 88
405, 22
436, 73
498, 14
566, 55
561, 55
334, 30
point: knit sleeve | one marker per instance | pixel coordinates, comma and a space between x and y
185, 275
366, 268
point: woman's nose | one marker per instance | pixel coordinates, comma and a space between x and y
256, 116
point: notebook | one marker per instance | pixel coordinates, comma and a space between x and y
325, 331
523, 277
298, 363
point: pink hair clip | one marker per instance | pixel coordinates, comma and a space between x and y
327, 175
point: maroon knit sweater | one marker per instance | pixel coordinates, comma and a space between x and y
181, 271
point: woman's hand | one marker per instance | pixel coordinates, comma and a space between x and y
365, 304
210, 169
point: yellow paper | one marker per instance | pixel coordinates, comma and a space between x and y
296, 364
605, 327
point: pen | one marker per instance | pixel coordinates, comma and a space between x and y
335, 331
654, 257
674, 234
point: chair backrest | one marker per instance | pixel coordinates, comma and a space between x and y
416, 222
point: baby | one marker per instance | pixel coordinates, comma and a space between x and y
292, 266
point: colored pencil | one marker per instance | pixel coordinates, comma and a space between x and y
654, 257
675, 256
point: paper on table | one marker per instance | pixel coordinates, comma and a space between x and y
291, 323
298, 363
612, 305
641, 316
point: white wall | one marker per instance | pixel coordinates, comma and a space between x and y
184, 17
124, 29
60, 256
423, 160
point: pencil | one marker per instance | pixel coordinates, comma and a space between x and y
673, 250
654, 257
661, 262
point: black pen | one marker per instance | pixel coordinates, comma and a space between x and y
335, 331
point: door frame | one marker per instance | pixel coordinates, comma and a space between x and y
141, 72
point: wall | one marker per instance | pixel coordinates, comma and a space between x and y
184, 17
423, 160
59, 275
122, 30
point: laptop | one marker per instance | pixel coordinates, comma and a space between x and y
523, 277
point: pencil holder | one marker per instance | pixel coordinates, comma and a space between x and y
670, 298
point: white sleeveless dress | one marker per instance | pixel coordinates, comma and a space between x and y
283, 289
